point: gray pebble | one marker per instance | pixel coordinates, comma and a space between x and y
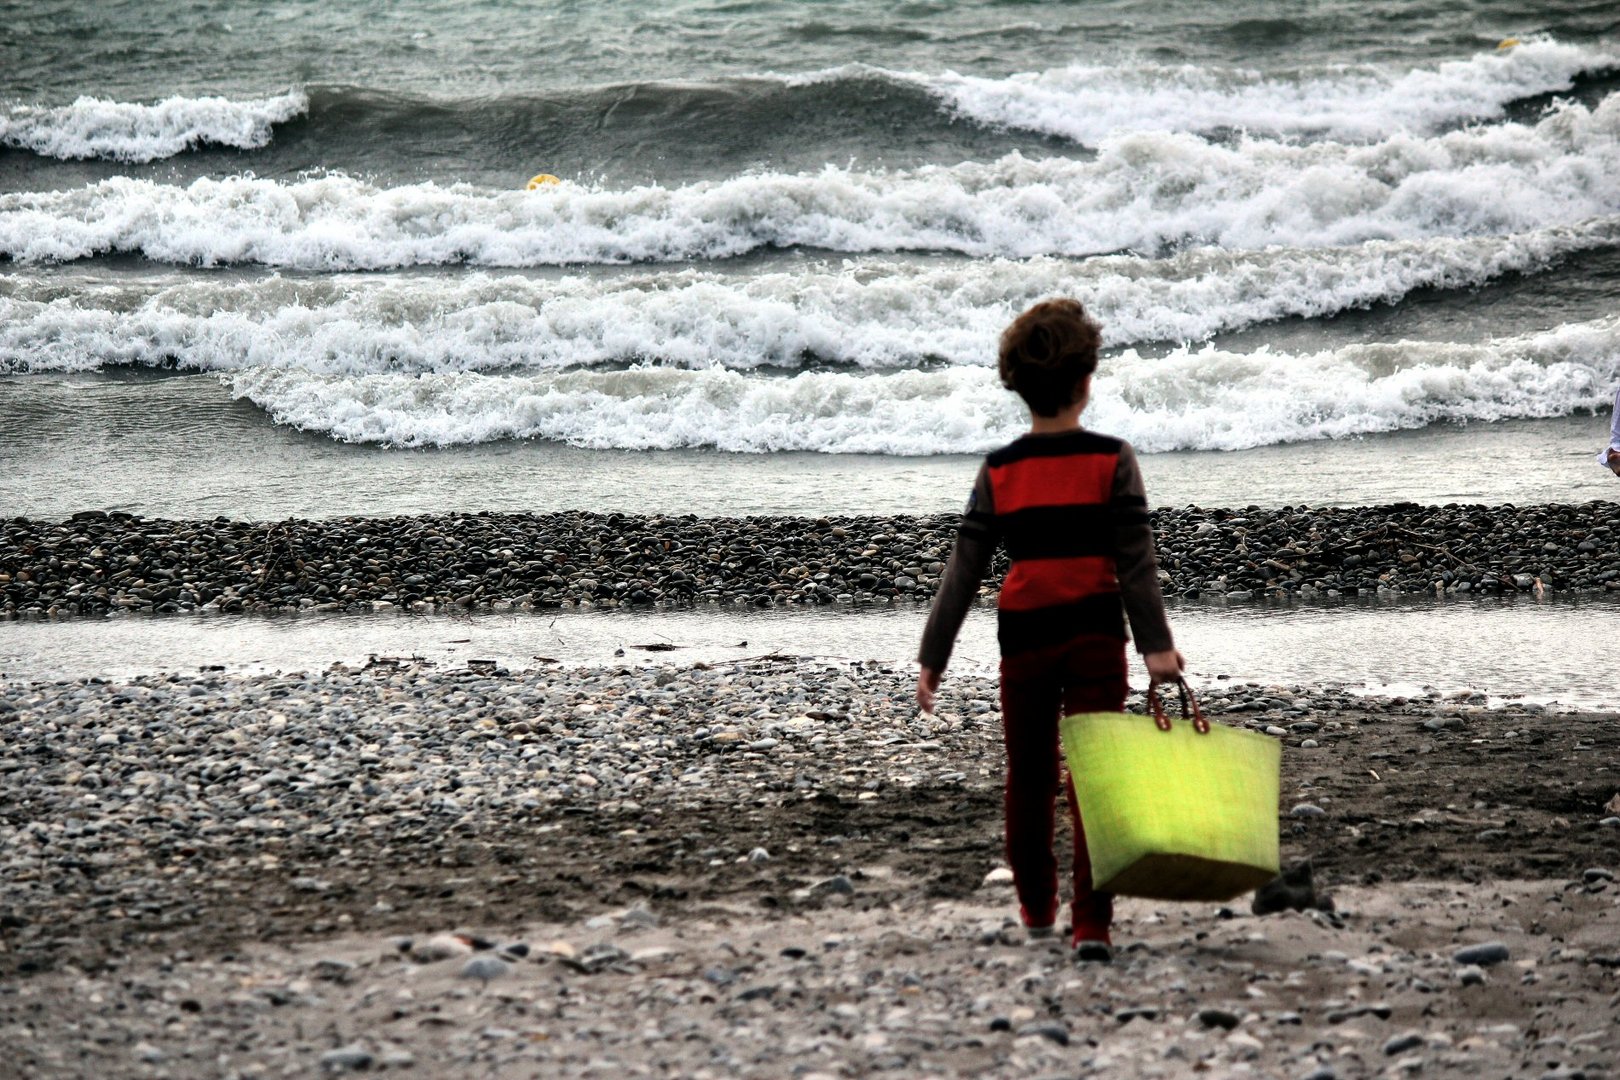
1046, 1029
839, 884
1485, 955
485, 967
1400, 1044
345, 1058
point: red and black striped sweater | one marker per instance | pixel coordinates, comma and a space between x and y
1072, 511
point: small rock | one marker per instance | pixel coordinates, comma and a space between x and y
1247, 1045
485, 968
1140, 1012
1471, 975
1307, 810
345, 1058
1218, 1018
999, 876
833, 886
595, 958
441, 947
332, 970
1045, 1030
1400, 1044
1492, 952
147, 1053
1292, 890
639, 918
655, 955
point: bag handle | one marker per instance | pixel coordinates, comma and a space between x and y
1189, 708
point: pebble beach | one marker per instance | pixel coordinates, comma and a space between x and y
765, 867
95, 562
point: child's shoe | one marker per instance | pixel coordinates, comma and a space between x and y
1093, 952
1093, 946
1038, 931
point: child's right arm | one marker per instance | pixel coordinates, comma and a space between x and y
958, 587
1138, 571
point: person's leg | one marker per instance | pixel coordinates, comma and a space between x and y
1029, 714
1095, 683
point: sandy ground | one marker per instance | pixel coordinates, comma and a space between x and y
869, 939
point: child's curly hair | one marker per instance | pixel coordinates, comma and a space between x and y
1047, 352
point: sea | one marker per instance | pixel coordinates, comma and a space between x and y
733, 257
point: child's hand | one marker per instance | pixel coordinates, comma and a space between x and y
927, 687
1164, 666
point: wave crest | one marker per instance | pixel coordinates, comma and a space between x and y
869, 313
1147, 193
1090, 103
1205, 399
130, 132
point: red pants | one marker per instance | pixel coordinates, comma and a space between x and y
1037, 689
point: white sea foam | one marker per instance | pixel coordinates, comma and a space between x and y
1204, 399
1089, 103
1143, 192
128, 131
872, 313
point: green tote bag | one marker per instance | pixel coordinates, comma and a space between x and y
1174, 811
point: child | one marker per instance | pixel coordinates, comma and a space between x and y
1069, 505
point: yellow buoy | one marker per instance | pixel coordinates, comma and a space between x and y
1508, 43
542, 180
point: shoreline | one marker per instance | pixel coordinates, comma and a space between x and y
95, 562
